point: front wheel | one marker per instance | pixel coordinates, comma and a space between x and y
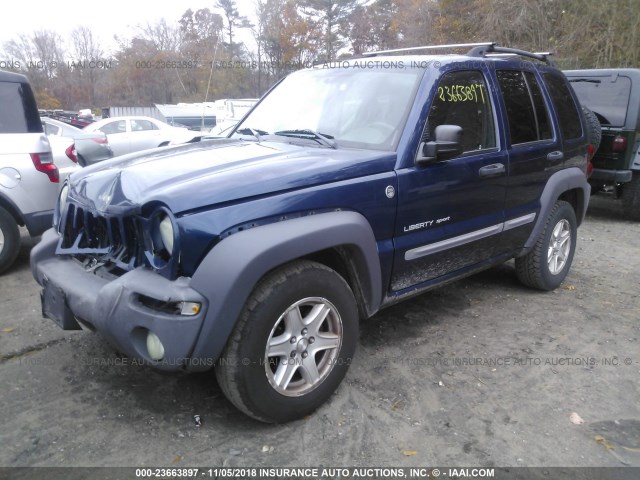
292, 345
547, 265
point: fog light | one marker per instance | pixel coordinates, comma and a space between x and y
189, 308
154, 346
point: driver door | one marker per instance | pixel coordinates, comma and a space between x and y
451, 212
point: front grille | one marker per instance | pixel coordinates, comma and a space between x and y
114, 242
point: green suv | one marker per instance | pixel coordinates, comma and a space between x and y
614, 96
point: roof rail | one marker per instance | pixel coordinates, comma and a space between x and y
494, 50
430, 47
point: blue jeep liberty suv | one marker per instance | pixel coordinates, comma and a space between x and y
349, 187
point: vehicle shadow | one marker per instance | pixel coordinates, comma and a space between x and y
22, 260
605, 207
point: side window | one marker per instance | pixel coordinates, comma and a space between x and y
462, 99
119, 126
140, 125
19, 113
50, 129
566, 109
527, 114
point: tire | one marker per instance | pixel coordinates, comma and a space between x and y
593, 128
9, 240
631, 197
254, 376
546, 266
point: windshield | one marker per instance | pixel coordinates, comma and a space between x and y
348, 107
607, 96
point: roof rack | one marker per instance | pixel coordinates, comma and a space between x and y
493, 50
481, 49
431, 47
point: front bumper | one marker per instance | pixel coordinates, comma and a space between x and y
115, 307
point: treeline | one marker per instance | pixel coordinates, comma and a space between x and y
199, 56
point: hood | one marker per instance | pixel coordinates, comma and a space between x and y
207, 173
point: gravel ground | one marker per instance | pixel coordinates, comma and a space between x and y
482, 372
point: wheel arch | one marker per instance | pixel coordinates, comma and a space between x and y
569, 185
574, 198
9, 206
342, 240
343, 260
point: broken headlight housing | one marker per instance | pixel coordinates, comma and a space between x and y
61, 206
162, 237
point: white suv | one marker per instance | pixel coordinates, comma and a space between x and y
28, 177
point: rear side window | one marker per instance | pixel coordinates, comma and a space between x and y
566, 109
140, 125
527, 113
118, 126
18, 110
50, 129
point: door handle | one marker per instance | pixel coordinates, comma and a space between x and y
555, 156
492, 170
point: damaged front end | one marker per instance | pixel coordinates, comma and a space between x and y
112, 235
113, 266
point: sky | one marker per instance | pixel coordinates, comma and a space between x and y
104, 18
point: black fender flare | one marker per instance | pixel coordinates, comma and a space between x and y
230, 271
560, 182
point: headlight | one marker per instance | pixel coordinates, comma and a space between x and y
162, 234
166, 233
62, 203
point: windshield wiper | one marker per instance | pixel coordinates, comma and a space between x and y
586, 80
252, 131
324, 139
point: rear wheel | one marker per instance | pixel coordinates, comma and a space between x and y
547, 265
9, 240
631, 197
292, 345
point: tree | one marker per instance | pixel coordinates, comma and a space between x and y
286, 40
608, 34
40, 55
87, 49
234, 20
164, 37
46, 101
373, 27
332, 17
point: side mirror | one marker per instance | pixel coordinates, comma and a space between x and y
448, 144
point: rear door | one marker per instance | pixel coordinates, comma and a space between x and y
118, 134
535, 151
144, 134
568, 119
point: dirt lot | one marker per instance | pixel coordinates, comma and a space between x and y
483, 372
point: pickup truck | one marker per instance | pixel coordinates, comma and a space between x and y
349, 187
